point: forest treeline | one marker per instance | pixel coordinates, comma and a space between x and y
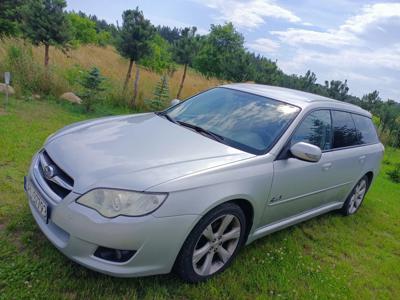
221, 53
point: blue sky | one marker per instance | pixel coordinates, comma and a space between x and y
342, 39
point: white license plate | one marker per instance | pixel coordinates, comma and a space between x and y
37, 201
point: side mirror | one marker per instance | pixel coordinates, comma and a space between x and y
175, 102
306, 151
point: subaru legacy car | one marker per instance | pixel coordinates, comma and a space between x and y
185, 188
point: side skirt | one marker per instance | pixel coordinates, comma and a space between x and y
270, 228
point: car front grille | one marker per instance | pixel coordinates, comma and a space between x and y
57, 180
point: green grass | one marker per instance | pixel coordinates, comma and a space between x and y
331, 256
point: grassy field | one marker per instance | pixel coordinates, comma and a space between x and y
330, 257
109, 62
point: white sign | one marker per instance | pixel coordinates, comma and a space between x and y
7, 77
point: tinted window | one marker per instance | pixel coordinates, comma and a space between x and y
365, 130
248, 122
344, 130
315, 129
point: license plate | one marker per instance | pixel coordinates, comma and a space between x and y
37, 201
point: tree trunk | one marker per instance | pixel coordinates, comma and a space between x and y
135, 87
182, 82
128, 75
46, 55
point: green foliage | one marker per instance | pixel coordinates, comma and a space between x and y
222, 52
160, 95
92, 83
187, 46
45, 22
83, 30
159, 58
135, 35
26, 74
394, 174
337, 89
10, 17
169, 34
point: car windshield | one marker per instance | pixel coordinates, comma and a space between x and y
242, 120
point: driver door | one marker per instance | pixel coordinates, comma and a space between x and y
299, 185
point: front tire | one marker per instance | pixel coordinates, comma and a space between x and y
213, 243
356, 197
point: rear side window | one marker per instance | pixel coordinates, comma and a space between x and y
344, 130
365, 130
315, 129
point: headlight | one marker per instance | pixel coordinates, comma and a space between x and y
112, 203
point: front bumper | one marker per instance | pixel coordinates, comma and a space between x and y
77, 231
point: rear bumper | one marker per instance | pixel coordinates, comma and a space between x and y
77, 231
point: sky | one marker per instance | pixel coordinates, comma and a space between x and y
356, 40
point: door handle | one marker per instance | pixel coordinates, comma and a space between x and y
326, 166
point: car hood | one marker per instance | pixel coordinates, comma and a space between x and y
134, 152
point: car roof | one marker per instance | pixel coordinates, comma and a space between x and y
295, 97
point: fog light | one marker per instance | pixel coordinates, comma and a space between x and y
114, 255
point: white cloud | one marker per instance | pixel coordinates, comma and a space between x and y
330, 38
371, 14
264, 46
348, 33
365, 49
249, 14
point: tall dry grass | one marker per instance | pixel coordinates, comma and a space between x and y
111, 65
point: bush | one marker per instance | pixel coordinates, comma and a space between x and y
27, 75
160, 95
394, 174
92, 83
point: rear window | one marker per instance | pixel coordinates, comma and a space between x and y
344, 130
365, 130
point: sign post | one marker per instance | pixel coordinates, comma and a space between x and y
7, 78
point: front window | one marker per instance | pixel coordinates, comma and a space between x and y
316, 129
245, 121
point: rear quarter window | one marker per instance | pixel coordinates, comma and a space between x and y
344, 130
365, 130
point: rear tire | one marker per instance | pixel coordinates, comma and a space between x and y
356, 197
212, 244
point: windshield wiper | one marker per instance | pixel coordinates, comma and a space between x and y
165, 115
199, 129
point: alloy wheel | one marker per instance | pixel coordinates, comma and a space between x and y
216, 245
358, 196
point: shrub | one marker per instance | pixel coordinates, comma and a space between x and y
28, 76
160, 94
93, 85
394, 174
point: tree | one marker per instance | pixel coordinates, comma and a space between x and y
134, 43
219, 53
160, 94
371, 101
92, 83
10, 16
185, 50
337, 89
169, 34
83, 30
45, 23
159, 58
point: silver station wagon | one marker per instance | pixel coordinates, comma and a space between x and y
185, 188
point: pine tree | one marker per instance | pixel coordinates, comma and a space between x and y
160, 94
134, 43
92, 84
45, 23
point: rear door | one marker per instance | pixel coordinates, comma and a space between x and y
348, 157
